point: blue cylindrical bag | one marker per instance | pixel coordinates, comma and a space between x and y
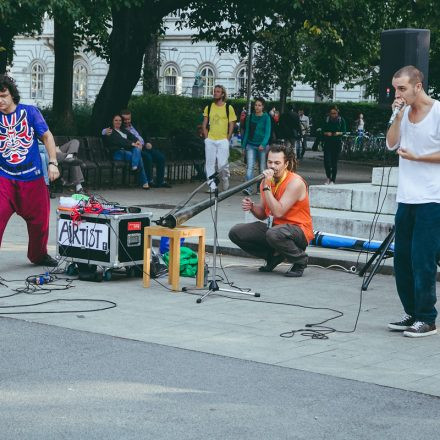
165, 244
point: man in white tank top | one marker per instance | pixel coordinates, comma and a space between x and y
415, 134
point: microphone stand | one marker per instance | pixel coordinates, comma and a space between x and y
213, 285
383, 251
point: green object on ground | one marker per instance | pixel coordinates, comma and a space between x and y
188, 261
80, 197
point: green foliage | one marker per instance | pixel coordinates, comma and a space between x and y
161, 115
319, 43
18, 17
81, 114
164, 115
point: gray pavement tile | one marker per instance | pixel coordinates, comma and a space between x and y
246, 329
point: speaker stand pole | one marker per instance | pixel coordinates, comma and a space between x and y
213, 285
380, 254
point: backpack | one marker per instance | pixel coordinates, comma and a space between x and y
227, 115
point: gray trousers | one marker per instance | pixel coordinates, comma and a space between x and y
259, 240
75, 173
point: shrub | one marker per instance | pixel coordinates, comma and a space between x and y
163, 115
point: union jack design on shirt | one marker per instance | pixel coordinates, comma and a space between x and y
16, 137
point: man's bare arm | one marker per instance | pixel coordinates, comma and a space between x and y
393, 133
429, 158
231, 129
49, 142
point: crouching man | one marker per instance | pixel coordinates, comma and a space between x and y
284, 202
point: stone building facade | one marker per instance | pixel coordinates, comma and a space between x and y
180, 61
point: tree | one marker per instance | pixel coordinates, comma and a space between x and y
75, 22
132, 29
235, 25
17, 17
63, 77
314, 43
151, 66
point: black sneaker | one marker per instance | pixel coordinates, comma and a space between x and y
47, 261
420, 329
271, 263
295, 271
406, 321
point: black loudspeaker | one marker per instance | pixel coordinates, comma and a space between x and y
399, 48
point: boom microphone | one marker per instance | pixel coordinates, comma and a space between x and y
176, 218
395, 113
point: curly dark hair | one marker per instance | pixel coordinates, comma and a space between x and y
289, 155
7, 83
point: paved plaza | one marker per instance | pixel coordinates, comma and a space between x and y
158, 365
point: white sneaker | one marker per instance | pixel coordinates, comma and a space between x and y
225, 184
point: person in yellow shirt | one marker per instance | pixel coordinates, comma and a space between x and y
218, 124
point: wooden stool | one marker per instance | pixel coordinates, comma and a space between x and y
174, 261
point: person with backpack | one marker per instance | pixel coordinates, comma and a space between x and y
218, 125
332, 131
255, 140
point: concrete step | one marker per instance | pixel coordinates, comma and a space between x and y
385, 176
353, 224
358, 197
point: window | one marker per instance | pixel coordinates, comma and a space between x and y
208, 81
170, 76
37, 81
79, 82
242, 82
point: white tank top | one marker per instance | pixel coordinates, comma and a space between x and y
419, 182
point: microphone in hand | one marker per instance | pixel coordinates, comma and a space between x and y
396, 111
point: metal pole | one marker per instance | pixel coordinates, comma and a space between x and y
158, 66
249, 78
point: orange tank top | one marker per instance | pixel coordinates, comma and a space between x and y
298, 214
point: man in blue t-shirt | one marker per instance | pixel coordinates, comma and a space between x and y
22, 186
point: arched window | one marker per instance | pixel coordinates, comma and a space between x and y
170, 83
208, 78
80, 82
37, 81
242, 82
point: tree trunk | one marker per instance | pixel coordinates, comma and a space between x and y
3, 61
6, 49
131, 32
63, 79
151, 67
127, 48
283, 98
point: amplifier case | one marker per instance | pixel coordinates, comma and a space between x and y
109, 241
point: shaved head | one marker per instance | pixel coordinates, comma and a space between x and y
415, 75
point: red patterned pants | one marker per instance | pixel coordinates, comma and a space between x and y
29, 200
